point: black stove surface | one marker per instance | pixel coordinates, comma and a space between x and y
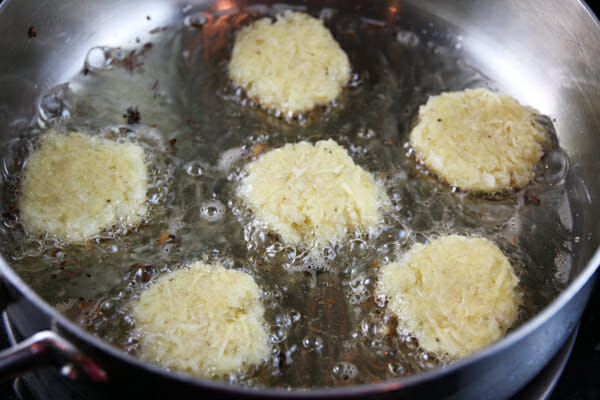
581, 377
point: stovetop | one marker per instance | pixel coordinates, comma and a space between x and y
581, 377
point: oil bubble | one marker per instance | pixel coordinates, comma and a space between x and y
9, 219
229, 157
316, 264
194, 168
407, 38
359, 290
368, 327
294, 316
310, 263
380, 300
274, 249
366, 134
212, 211
344, 371
313, 343
32, 248
563, 268
197, 20
155, 198
289, 353
13, 158
398, 369
358, 248
102, 58
281, 319
290, 253
56, 105
377, 344
277, 334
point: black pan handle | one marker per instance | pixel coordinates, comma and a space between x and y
47, 348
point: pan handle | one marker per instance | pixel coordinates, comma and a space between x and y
47, 348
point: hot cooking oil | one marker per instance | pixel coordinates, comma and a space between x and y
326, 327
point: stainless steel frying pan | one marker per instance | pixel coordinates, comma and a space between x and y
545, 53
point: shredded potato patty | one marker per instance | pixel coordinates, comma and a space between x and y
75, 185
312, 194
478, 140
291, 64
456, 294
205, 320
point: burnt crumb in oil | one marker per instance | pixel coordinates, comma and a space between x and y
171, 147
143, 273
132, 115
159, 29
32, 32
132, 60
530, 198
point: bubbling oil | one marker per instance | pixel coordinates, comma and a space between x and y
325, 326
